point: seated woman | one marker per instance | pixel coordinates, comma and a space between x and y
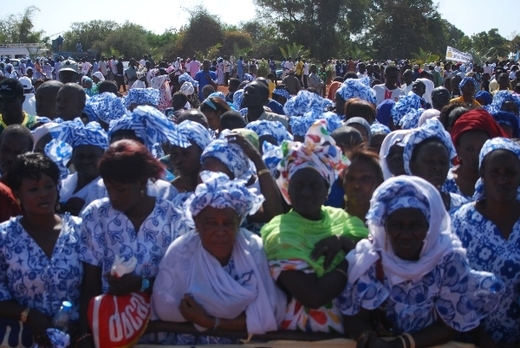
306, 246
412, 274
360, 180
39, 254
227, 259
88, 145
469, 133
129, 223
427, 154
489, 229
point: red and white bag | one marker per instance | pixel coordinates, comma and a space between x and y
119, 321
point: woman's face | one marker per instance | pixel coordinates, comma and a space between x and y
186, 160
308, 191
213, 118
360, 182
431, 162
501, 175
125, 197
217, 229
86, 160
468, 147
215, 165
394, 160
406, 229
38, 196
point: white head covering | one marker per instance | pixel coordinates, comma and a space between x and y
390, 140
426, 115
428, 90
396, 193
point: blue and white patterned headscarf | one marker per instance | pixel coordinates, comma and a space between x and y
60, 153
237, 99
248, 77
301, 125
193, 131
142, 96
411, 119
273, 128
218, 191
404, 105
306, 102
185, 77
490, 146
232, 156
467, 80
393, 194
378, 128
75, 133
500, 98
282, 92
431, 129
187, 88
509, 119
151, 126
217, 95
105, 106
357, 88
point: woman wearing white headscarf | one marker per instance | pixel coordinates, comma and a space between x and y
217, 276
412, 272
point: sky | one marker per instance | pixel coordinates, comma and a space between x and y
55, 16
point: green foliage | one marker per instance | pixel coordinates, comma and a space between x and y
234, 39
422, 56
19, 28
129, 39
263, 69
91, 35
294, 50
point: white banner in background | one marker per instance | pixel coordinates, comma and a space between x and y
455, 55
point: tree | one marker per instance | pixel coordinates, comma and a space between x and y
492, 41
91, 35
240, 39
20, 28
130, 40
201, 34
162, 45
321, 25
294, 51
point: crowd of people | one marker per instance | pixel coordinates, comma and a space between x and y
375, 200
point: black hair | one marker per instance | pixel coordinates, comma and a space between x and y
17, 130
31, 165
232, 120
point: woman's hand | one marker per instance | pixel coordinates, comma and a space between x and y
251, 152
195, 313
124, 285
38, 323
330, 247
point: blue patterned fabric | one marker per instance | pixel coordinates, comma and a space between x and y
509, 119
378, 128
440, 284
248, 77
357, 88
485, 95
404, 105
75, 133
450, 186
142, 96
151, 126
500, 98
185, 77
271, 155
300, 125
105, 107
30, 278
217, 95
237, 99
274, 128
467, 80
361, 121
107, 233
193, 131
232, 156
306, 102
282, 92
490, 146
431, 129
218, 191
411, 119
488, 250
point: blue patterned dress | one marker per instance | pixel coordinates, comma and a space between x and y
487, 250
107, 232
451, 291
450, 185
29, 277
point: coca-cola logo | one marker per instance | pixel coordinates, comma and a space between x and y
118, 321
